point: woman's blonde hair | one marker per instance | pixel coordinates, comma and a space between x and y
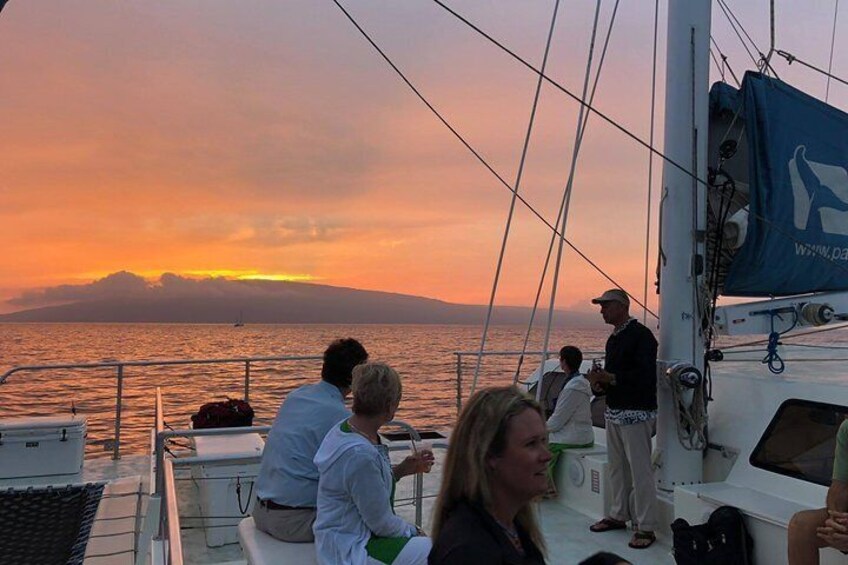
376, 389
479, 434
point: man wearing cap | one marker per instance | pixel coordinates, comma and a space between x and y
630, 383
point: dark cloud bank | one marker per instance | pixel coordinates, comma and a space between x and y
126, 297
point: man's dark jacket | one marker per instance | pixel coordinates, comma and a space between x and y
631, 355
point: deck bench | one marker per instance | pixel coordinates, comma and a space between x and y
261, 549
767, 516
754, 503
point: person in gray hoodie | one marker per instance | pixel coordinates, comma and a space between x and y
355, 523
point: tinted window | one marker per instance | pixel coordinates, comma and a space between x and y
800, 440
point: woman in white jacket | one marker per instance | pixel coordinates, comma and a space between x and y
355, 522
570, 425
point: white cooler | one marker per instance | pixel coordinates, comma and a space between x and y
41, 447
220, 481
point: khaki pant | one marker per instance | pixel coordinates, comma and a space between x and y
291, 525
632, 483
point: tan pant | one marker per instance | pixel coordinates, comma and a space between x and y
632, 483
291, 525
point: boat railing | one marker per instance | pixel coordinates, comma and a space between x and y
119, 367
522, 357
164, 479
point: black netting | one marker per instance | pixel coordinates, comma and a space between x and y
47, 526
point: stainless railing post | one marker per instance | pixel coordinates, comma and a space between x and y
247, 381
458, 383
116, 448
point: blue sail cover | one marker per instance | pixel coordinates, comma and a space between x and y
798, 174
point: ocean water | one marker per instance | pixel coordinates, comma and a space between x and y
423, 354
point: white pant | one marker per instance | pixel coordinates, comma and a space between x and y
632, 483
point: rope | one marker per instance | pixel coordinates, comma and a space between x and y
559, 213
566, 200
832, 41
480, 158
650, 160
692, 419
772, 359
514, 198
243, 508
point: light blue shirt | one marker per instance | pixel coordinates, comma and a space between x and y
288, 475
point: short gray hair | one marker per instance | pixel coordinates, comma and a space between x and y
376, 389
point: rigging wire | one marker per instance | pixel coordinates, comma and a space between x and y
767, 222
790, 58
793, 336
559, 212
634, 137
485, 163
832, 42
566, 199
571, 95
511, 213
719, 67
730, 19
724, 63
651, 159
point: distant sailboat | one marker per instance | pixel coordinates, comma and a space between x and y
240, 321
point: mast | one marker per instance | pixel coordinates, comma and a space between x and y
682, 220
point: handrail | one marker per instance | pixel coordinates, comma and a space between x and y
154, 362
172, 516
119, 376
418, 485
460, 354
162, 462
159, 413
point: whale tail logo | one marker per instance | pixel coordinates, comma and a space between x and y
820, 193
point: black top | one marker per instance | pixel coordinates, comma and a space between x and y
631, 355
472, 537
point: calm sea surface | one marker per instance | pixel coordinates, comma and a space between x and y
422, 354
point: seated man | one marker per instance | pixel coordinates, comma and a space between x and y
811, 530
570, 425
287, 486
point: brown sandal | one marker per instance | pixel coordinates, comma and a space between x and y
639, 539
606, 525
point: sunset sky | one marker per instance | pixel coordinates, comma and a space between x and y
268, 140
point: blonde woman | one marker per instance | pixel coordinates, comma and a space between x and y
355, 522
496, 465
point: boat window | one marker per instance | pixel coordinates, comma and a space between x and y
800, 440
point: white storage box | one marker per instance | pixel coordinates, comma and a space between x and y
582, 477
41, 447
226, 486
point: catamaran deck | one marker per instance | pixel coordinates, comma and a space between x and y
566, 530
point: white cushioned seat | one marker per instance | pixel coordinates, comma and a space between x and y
261, 549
